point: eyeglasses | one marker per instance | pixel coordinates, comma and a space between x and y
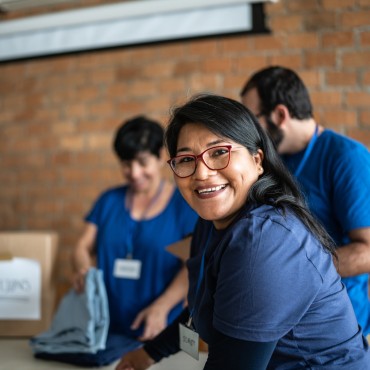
215, 158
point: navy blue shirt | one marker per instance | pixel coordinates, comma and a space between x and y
267, 278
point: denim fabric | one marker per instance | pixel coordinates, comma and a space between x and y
81, 322
117, 345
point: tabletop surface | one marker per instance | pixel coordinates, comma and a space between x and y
16, 354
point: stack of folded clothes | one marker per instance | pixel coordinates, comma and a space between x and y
79, 331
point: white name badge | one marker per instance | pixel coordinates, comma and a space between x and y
127, 268
189, 341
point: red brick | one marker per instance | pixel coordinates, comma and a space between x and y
206, 47
361, 135
171, 86
308, 40
319, 20
130, 107
102, 76
293, 61
339, 117
171, 50
267, 43
158, 69
236, 81
275, 8
72, 142
316, 59
186, 67
301, 6
204, 82
252, 62
358, 99
98, 141
355, 18
217, 65
365, 118
326, 98
311, 78
141, 88
356, 59
337, 4
365, 38
337, 39
289, 23
341, 78
237, 44
128, 72
366, 78
101, 109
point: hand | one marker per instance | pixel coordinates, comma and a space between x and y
155, 318
135, 360
79, 280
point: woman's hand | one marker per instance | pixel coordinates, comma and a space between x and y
79, 280
135, 360
154, 318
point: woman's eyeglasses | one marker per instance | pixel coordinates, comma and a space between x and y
215, 158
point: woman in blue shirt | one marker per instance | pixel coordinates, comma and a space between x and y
263, 289
128, 230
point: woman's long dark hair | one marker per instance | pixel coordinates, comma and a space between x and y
228, 118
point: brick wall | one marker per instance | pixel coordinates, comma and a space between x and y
58, 114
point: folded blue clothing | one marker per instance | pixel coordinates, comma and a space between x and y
117, 345
81, 322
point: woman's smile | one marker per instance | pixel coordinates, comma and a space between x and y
205, 192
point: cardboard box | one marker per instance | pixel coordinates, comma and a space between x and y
27, 282
181, 248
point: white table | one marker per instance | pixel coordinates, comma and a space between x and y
16, 354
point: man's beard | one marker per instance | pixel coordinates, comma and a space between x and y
276, 134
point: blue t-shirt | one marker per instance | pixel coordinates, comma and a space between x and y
336, 182
267, 278
117, 232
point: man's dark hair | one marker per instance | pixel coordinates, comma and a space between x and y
278, 85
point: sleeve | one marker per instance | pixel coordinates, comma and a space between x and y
230, 353
167, 342
103, 205
265, 282
351, 184
95, 212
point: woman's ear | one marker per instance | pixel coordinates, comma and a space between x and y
258, 158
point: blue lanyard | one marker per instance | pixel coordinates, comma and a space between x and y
307, 153
136, 225
201, 274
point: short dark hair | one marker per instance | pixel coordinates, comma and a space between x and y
228, 118
137, 135
278, 85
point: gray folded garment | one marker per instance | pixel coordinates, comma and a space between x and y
81, 322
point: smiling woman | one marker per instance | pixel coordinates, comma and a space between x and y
216, 189
253, 219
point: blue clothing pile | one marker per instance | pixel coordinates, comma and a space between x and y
117, 345
79, 334
81, 321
